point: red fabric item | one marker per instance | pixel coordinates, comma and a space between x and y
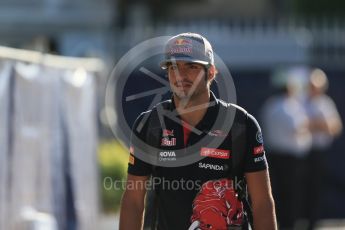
216, 206
186, 133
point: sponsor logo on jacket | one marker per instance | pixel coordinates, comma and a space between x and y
259, 137
216, 206
168, 133
258, 159
168, 142
131, 159
211, 166
258, 150
215, 153
217, 133
167, 156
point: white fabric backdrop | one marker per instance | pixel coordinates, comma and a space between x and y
79, 110
34, 107
54, 118
5, 74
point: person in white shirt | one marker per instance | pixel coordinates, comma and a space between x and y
325, 125
288, 140
325, 122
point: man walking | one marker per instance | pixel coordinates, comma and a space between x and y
211, 201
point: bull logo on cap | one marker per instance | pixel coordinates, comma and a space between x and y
182, 41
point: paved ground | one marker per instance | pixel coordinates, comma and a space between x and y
109, 222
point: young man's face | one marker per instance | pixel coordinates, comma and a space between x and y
187, 80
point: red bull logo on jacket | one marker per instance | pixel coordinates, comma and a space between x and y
168, 133
168, 142
216, 207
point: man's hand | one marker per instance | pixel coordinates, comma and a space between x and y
133, 203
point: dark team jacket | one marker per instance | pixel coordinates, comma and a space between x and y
199, 195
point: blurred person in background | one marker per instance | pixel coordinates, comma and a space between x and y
288, 140
325, 125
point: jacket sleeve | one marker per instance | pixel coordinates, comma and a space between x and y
255, 158
136, 163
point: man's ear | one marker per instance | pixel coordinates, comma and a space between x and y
212, 71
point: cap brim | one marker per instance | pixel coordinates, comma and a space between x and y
164, 64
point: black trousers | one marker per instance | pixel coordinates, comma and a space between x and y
297, 186
286, 172
314, 186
